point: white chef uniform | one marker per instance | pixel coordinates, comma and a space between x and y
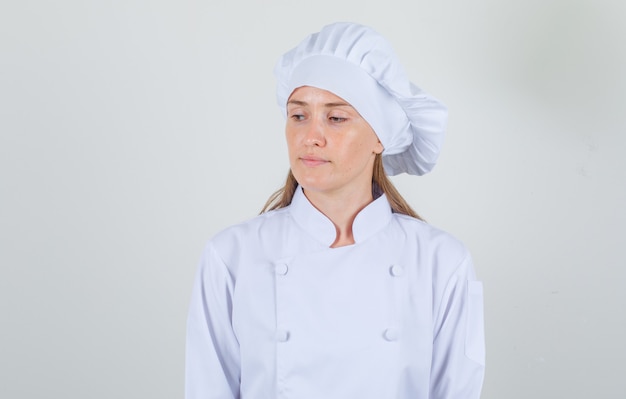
277, 313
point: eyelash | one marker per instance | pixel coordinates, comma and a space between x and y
334, 119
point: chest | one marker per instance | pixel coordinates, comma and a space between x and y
341, 300
354, 318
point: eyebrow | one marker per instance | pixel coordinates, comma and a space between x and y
328, 105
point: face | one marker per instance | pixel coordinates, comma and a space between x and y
331, 147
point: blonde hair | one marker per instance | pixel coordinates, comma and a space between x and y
380, 184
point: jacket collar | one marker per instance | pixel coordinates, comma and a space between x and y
368, 222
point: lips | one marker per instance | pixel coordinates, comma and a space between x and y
313, 161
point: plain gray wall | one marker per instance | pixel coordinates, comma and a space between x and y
132, 131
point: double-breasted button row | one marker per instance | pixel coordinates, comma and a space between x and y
282, 269
390, 334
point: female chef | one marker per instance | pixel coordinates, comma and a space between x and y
339, 290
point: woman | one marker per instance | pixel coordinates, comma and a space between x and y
339, 290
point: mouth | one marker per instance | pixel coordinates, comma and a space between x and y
312, 161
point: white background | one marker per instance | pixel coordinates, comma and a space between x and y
133, 130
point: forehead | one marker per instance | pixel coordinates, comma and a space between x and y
312, 95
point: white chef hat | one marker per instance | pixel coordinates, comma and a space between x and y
357, 64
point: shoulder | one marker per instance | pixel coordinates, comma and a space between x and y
251, 240
436, 238
441, 249
256, 227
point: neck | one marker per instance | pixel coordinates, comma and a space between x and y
341, 209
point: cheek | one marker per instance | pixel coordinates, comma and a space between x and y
292, 149
291, 154
293, 135
358, 150
290, 140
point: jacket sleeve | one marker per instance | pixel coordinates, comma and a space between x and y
212, 367
458, 361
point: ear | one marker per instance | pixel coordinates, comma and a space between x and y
378, 147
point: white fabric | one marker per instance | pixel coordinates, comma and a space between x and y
276, 313
357, 64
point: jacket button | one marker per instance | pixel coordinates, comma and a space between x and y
396, 270
282, 335
281, 269
391, 334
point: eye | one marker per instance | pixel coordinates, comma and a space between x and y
337, 119
297, 117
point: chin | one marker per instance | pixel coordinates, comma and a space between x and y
313, 183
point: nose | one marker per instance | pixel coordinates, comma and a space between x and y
314, 134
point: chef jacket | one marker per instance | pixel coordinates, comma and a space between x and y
277, 313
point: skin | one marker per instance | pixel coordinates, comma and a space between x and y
331, 153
